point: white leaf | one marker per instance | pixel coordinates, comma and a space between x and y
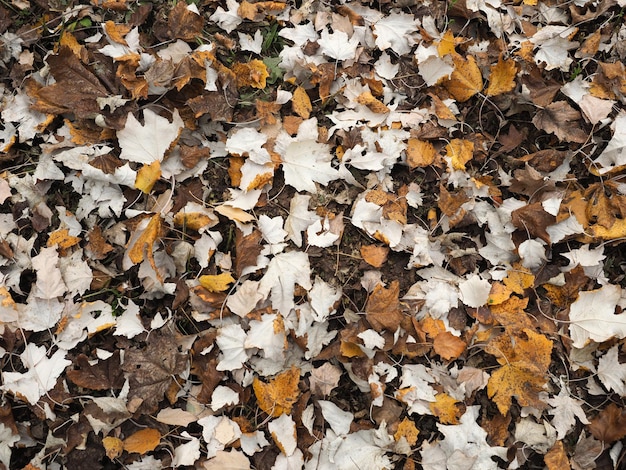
148, 143
307, 162
614, 154
268, 335
223, 396
49, 278
227, 20
565, 411
337, 46
299, 218
76, 273
474, 291
283, 431
611, 372
129, 323
592, 316
230, 340
323, 297
187, 453
394, 32
249, 141
245, 299
41, 376
532, 252
338, 419
283, 272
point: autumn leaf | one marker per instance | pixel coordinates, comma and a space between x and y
460, 151
144, 440
383, 307
216, 282
301, 103
502, 77
446, 408
560, 119
279, 395
556, 458
466, 79
147, 176
407, 430
610, 424
374, 255
253, 74
419, 153
448, 346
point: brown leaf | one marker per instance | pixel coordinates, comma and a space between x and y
533, 219
97, 247
374, 255
541, 91
383, 307
184, 24
545, 160
610, 424
104, 375
560, 119
448, 346
247, 249
151, 370
76, 88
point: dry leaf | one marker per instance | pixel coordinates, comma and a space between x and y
460, 151
420, 153
216, 282
556, 458
253, 74
560, 119
374, 255
446, 408
147, 176
383, 307
375, 105
63, 240
113, 447
610, 424
466, 79
301, 103
142, 441
279, 395
408, 430
502, 77
448, 346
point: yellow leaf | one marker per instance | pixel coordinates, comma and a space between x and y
466, 79
499, 294
419, 153
280, 394
142, 441
502, 77
143, 243
301, 103
518, 279
446, 409
113, 447
234, 213
253, 74
460, 151
512, 381
216, 282
446, 44
147, 176
407, 429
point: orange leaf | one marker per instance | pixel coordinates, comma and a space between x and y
142, 441
511, 313
301, 103
448, 346
253, 74
502, 77
192, 220
419, 153
499, 293
518, 279
141, 244
466, 79
407, 429
556, 458
374, 255
460, 151
280, 394
446, 409
147, 176
512, 381
446, 44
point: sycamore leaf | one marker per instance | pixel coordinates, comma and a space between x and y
446, 408
148, 143
337, 45
393, 31
502, 77
560, 119
565, 410
592, 316
279, 395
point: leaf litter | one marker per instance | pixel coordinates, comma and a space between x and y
306, 235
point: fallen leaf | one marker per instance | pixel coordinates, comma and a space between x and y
144, 440
610, 424
216, 282
448, 346
279, 395
374, 255
113, 446
301, 103
253, 74
420, 153
502, 77
147, 176
466, 79
383, 307
560, 119
556, 458
460, 151
446, 408
184, 23
104, 375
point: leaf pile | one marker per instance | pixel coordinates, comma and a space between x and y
312, 235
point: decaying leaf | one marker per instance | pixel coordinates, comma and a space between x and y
383, 308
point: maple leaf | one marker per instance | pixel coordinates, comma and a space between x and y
393, 32
337, 45
148, 142
466, 79
281, 276
151, 370
565, 410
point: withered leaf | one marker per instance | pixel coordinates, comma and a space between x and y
76, 88
560, 119
247, 249
183, 23
104, 375
610, 424
534, 220
152, 369
383, 307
